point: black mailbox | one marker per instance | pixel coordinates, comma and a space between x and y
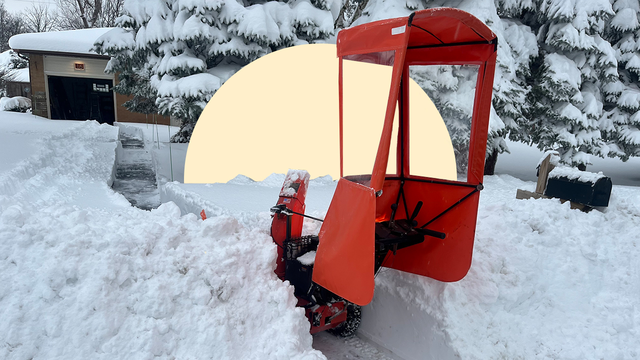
596, 193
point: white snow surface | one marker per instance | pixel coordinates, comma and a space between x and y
88, 276
546, 282
575, 174
308, 258
71, 41
85, 275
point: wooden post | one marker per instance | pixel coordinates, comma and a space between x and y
543, 174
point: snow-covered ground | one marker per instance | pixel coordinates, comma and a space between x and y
88, 276
20, 136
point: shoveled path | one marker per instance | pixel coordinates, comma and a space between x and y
135, 175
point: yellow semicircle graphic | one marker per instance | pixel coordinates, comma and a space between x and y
280, 112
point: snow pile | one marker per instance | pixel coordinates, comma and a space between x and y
575, 174
16, 103
87, 276
273, 180
81, 156
241, 180
322, 180
147, 284
546, 282
20, 134
247, 200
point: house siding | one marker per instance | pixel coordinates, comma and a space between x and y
39, 101
124, 115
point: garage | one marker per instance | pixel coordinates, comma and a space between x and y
68, 78
77, 98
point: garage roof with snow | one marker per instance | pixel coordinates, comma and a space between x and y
76, 42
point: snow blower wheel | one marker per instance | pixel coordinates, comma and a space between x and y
391, 218
348, 327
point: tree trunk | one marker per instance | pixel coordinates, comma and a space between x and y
490, 163
350, 11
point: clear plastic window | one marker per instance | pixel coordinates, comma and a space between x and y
452, 88
366, 85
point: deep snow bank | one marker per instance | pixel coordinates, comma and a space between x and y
247, 200
61, 167
86, 276
20, 134
546, 282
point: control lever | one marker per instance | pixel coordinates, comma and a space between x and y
436, 234
394, 207
415, 213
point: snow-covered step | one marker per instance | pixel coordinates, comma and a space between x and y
135, 175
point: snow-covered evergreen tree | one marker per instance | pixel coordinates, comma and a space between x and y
511, 90
9, 63
566, 77
516, 46
622, 118
175, 54
572, 77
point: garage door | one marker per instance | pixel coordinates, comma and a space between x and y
73, 98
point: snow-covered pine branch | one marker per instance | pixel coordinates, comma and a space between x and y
622, 120
173, 55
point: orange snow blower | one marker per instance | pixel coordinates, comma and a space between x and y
398, 220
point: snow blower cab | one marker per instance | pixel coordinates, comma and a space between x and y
400, 215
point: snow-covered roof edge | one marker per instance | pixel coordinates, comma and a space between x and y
79, 42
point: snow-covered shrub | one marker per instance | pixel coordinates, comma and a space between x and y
16, 103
